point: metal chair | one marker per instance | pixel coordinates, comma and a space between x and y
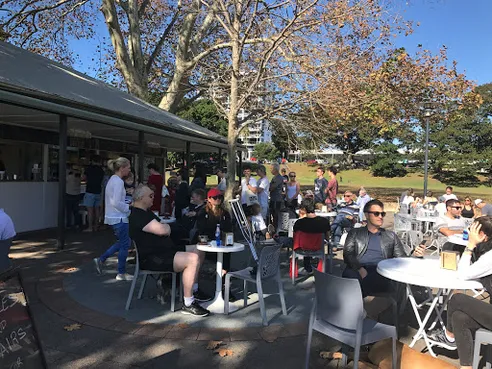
145, 274
414, 239
338, 312
482, 337
268, 269
402, 224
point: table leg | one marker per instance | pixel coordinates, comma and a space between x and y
422, 323
440, 310
216, 306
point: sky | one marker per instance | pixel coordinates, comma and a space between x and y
464, 26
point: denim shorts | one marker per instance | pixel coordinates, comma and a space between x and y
91, 200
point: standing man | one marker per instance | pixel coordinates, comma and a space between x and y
449, 195
94, 175
155, 182
367, 246
320, 186
276, 193
485, 209
263, 191
221, 177
249, 187
332, 188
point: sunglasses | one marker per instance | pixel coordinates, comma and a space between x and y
456, 207
292, 176
378, 213
347, 195
218, 197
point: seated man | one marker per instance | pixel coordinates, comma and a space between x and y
345, 218
156, 250
365, 247
485, 209
7, 233
183, 230
451, 223
310, 223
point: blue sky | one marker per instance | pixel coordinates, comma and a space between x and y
464, 26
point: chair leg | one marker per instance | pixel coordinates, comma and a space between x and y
476, 354
488, 357
245, 293
394, 358
308, 345
395, 314
262, 303
293, 266
173, 292
181, 288
343, 361
132, 289
281, 293
140, 293
226, 293
324, 262
356, 356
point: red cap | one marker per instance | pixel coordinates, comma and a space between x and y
213, 192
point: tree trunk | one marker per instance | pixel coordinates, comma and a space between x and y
176, 89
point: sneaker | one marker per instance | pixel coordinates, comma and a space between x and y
124, 277
201, 297
439, 337
304, 272
195, 309
271, 229
99, 265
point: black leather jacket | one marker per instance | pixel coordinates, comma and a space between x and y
358, 239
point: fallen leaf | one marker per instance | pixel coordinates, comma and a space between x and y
70, 270
224, 352
182, 325
212, 345
72, 327
330, 355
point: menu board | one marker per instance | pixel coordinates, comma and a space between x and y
19, 344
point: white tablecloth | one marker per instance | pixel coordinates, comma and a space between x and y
457, 239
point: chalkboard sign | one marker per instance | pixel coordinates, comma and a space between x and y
19, 344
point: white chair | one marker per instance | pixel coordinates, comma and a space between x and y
338, 312
482, 337
268, 269
146, 273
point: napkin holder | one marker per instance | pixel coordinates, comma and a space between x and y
229, 239
450, 260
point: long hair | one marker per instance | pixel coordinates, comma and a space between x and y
486, 246
216, 211
115, 164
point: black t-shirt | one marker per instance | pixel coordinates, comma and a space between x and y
207, 224
94, 175
312, 225
148, 243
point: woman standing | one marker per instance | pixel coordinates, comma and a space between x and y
292, 192
468, 209
116, 215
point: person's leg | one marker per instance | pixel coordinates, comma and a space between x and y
125, 241
307, 263
374, 283
465, 328
188, 263
351, 273
115, 247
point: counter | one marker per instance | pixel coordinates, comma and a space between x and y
31, 205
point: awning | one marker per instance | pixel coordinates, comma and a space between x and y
34, 90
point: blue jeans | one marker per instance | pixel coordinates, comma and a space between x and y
122, 245
339, 224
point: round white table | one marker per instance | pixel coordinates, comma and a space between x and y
167, 220
216, 305
426, 273
458, 239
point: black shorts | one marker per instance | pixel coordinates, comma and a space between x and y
161, 262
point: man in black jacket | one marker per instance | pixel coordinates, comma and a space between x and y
365, 247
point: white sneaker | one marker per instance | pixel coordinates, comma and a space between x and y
124, 277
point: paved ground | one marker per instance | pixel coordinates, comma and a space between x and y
62, 290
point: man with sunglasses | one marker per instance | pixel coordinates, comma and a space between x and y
365, 247
451, 223
346, 217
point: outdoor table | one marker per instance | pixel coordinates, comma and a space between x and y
429, 221
217, 304
167, 220
425, 272
457, 239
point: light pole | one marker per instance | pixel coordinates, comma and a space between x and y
427, 115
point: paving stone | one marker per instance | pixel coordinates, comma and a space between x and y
212, 334
125, 326
154, 330
188, 333
244, 334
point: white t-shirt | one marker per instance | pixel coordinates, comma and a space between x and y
449, 197
258, 223
451, 223
263, 196
116, 210
222, 186
245, 192
408, 200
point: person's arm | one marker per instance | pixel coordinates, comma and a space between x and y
250, 187
483, 266
157, 228
398, 250
449, 232
350, 251
261, 186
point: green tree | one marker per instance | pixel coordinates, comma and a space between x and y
266, 151
204, 113
387, 162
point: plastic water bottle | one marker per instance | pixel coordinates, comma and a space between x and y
465, 235
217, 235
